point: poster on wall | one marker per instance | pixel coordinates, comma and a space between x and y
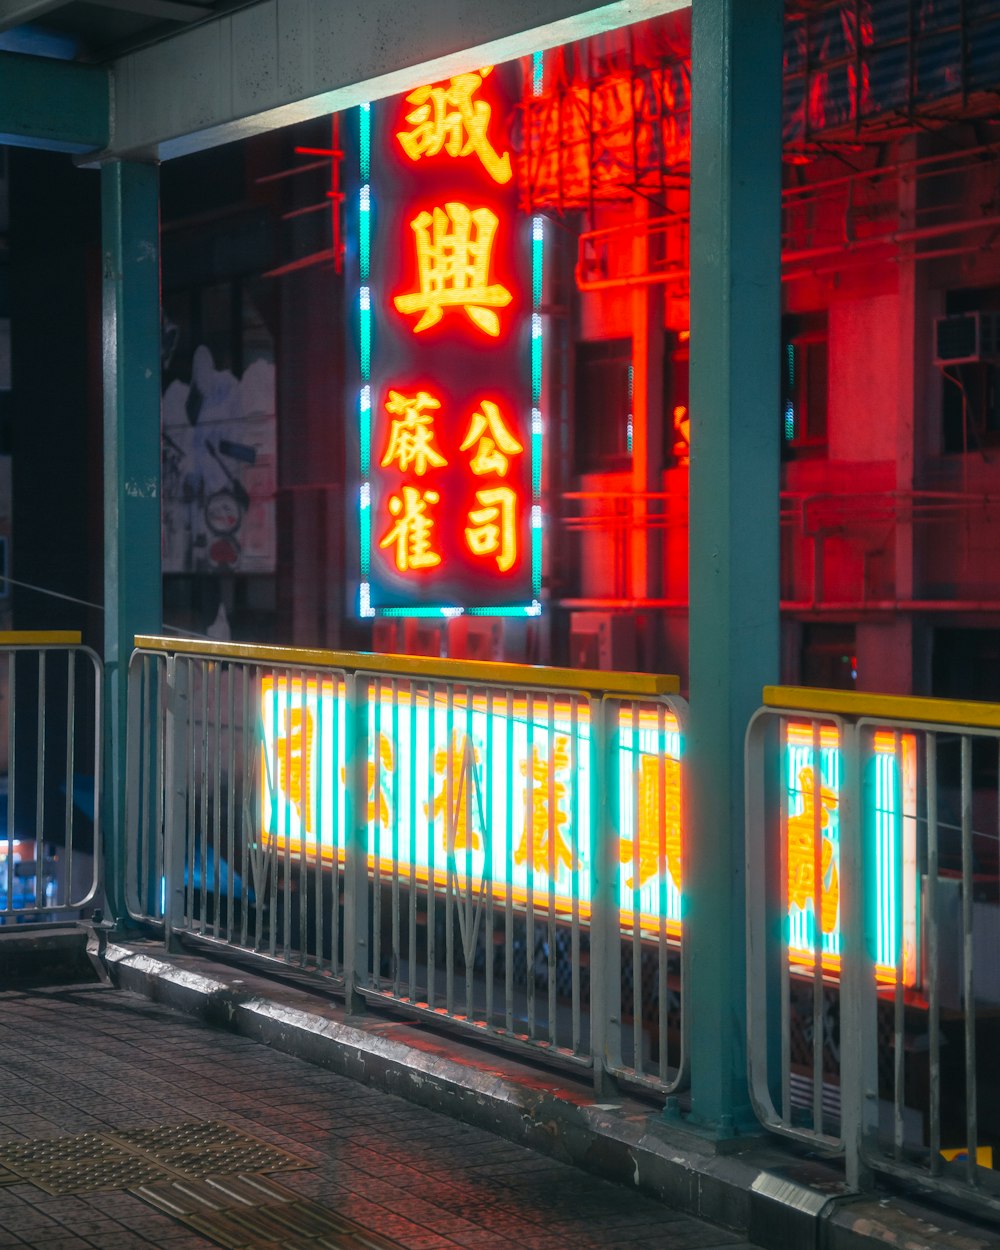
219, 461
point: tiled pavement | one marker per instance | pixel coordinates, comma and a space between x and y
97, 1060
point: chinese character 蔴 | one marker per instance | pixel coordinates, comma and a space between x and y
448, 119
801, 853
492, 528
292, 748
411, 534
411, 436
649, 822
466, 838
494, 442
542, 827
454, 246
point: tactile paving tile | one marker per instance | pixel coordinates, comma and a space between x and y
208, 1148
253, 1213
84, 1163
89, 1162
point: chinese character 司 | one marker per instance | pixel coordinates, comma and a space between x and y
411, 535
494, 442
542, 827
448, 119
802, 856
454, 245
411, 437
492, 529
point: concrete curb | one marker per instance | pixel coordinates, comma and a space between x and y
765, 1191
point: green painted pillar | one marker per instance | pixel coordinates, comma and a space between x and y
130, 227
734, 627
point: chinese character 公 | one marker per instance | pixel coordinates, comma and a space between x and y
495, 441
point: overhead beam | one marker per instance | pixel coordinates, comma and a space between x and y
53, 104
169, 10
17, 12
284, 61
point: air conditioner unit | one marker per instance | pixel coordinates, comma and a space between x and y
967, 338
475, 638
602, 640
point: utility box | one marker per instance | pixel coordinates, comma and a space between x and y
967, 338
602, 640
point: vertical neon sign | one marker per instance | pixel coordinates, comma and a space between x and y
450, 356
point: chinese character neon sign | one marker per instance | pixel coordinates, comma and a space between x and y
450, 353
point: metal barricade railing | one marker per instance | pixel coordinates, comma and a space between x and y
874, 1029
488, 845
50, 776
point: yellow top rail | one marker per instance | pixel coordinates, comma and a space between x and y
40, 638
635, 685
894, 707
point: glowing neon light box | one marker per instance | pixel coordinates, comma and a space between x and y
449, 280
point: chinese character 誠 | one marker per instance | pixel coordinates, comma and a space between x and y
411, 535
454, 247
802, 853
411, 437
649, 851
494, 442
448, 119
492, 528
542, 838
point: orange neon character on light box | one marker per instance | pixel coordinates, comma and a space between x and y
544, 828
466, 837
411, 437
492, 528
494, 442
447, 118
802, 856
649, 850
411, 535
454, 249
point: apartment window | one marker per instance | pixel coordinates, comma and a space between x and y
804, 376
970, 399
603, 405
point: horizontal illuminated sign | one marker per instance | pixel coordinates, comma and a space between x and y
485, 792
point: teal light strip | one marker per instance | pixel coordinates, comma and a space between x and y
365, 356
537, 359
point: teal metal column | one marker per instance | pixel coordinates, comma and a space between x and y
130, 222
735, 318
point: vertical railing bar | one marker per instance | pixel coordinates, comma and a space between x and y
661, 867
411, 946
203, 830
40, 775
894, 769
144, 848
817, 971
186, 885
968, 968
70, 767
394, 691
554, 835
449, 862
286, 849
231, 805
159, 743
376, 754
337, 693
637, 995
933, 938
11, 772
508, 962
468, 793
316, 798
529, 943
247, 779
307, 826
312, 766
786, 1005
280, 815
431, 847
488, 931
575, 969
217, 804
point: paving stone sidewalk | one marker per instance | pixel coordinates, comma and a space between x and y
367, 1168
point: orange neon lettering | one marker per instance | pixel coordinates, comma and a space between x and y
801, 853
411, 437
454, 246
411, 535
649, 851
494, 442
542, 827
293, 748
492, 528
448, 119
376, 776
466, 838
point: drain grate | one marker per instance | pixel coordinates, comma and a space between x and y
90, 1162
253, 1213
